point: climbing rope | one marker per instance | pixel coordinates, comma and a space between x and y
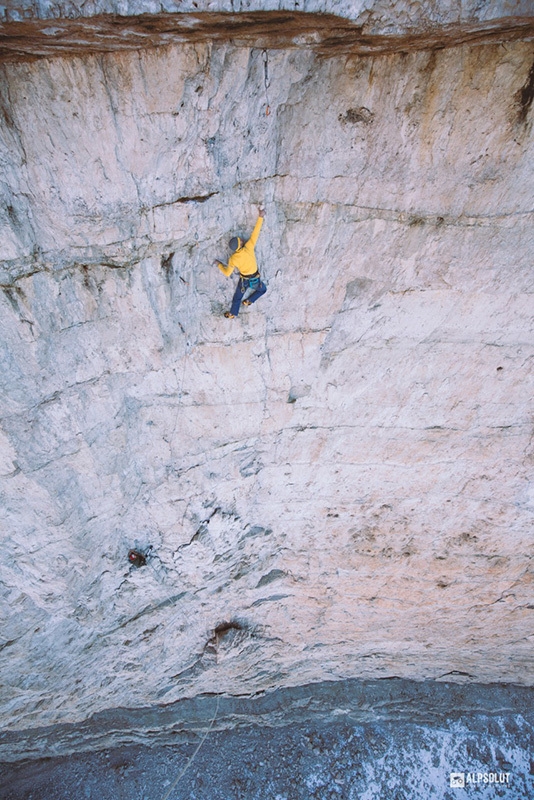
266, 81
243, 203
182, 773
179, 389
190, 340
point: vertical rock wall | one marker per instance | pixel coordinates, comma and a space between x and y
339, 479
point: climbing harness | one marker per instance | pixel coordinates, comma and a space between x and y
252, 282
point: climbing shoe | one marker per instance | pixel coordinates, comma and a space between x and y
229, 315
247, 303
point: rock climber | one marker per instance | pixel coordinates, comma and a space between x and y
243, 260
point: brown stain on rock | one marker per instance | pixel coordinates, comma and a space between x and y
326, 34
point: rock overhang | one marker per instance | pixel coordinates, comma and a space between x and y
27, 34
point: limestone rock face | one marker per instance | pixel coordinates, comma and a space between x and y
387, 15
336, 484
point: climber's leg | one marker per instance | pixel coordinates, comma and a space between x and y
240, 290
256, 295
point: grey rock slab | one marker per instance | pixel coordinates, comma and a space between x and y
426, 703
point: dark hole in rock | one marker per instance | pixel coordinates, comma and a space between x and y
354, 115
225, 635
166, 264
226, 627
525, 96
12, 293
136, 558
415, 220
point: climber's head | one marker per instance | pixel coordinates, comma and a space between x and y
235, 243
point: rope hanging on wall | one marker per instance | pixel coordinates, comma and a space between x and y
266, 81
182, 773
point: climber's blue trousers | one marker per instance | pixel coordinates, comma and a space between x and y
243, 285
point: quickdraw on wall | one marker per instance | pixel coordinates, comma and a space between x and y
266, 82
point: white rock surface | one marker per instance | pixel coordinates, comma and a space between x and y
344, 472
386, 15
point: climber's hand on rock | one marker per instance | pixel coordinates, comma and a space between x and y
261, 212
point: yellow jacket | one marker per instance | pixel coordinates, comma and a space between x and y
244, 260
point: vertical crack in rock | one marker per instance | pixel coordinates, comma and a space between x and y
525, 96
167, 265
